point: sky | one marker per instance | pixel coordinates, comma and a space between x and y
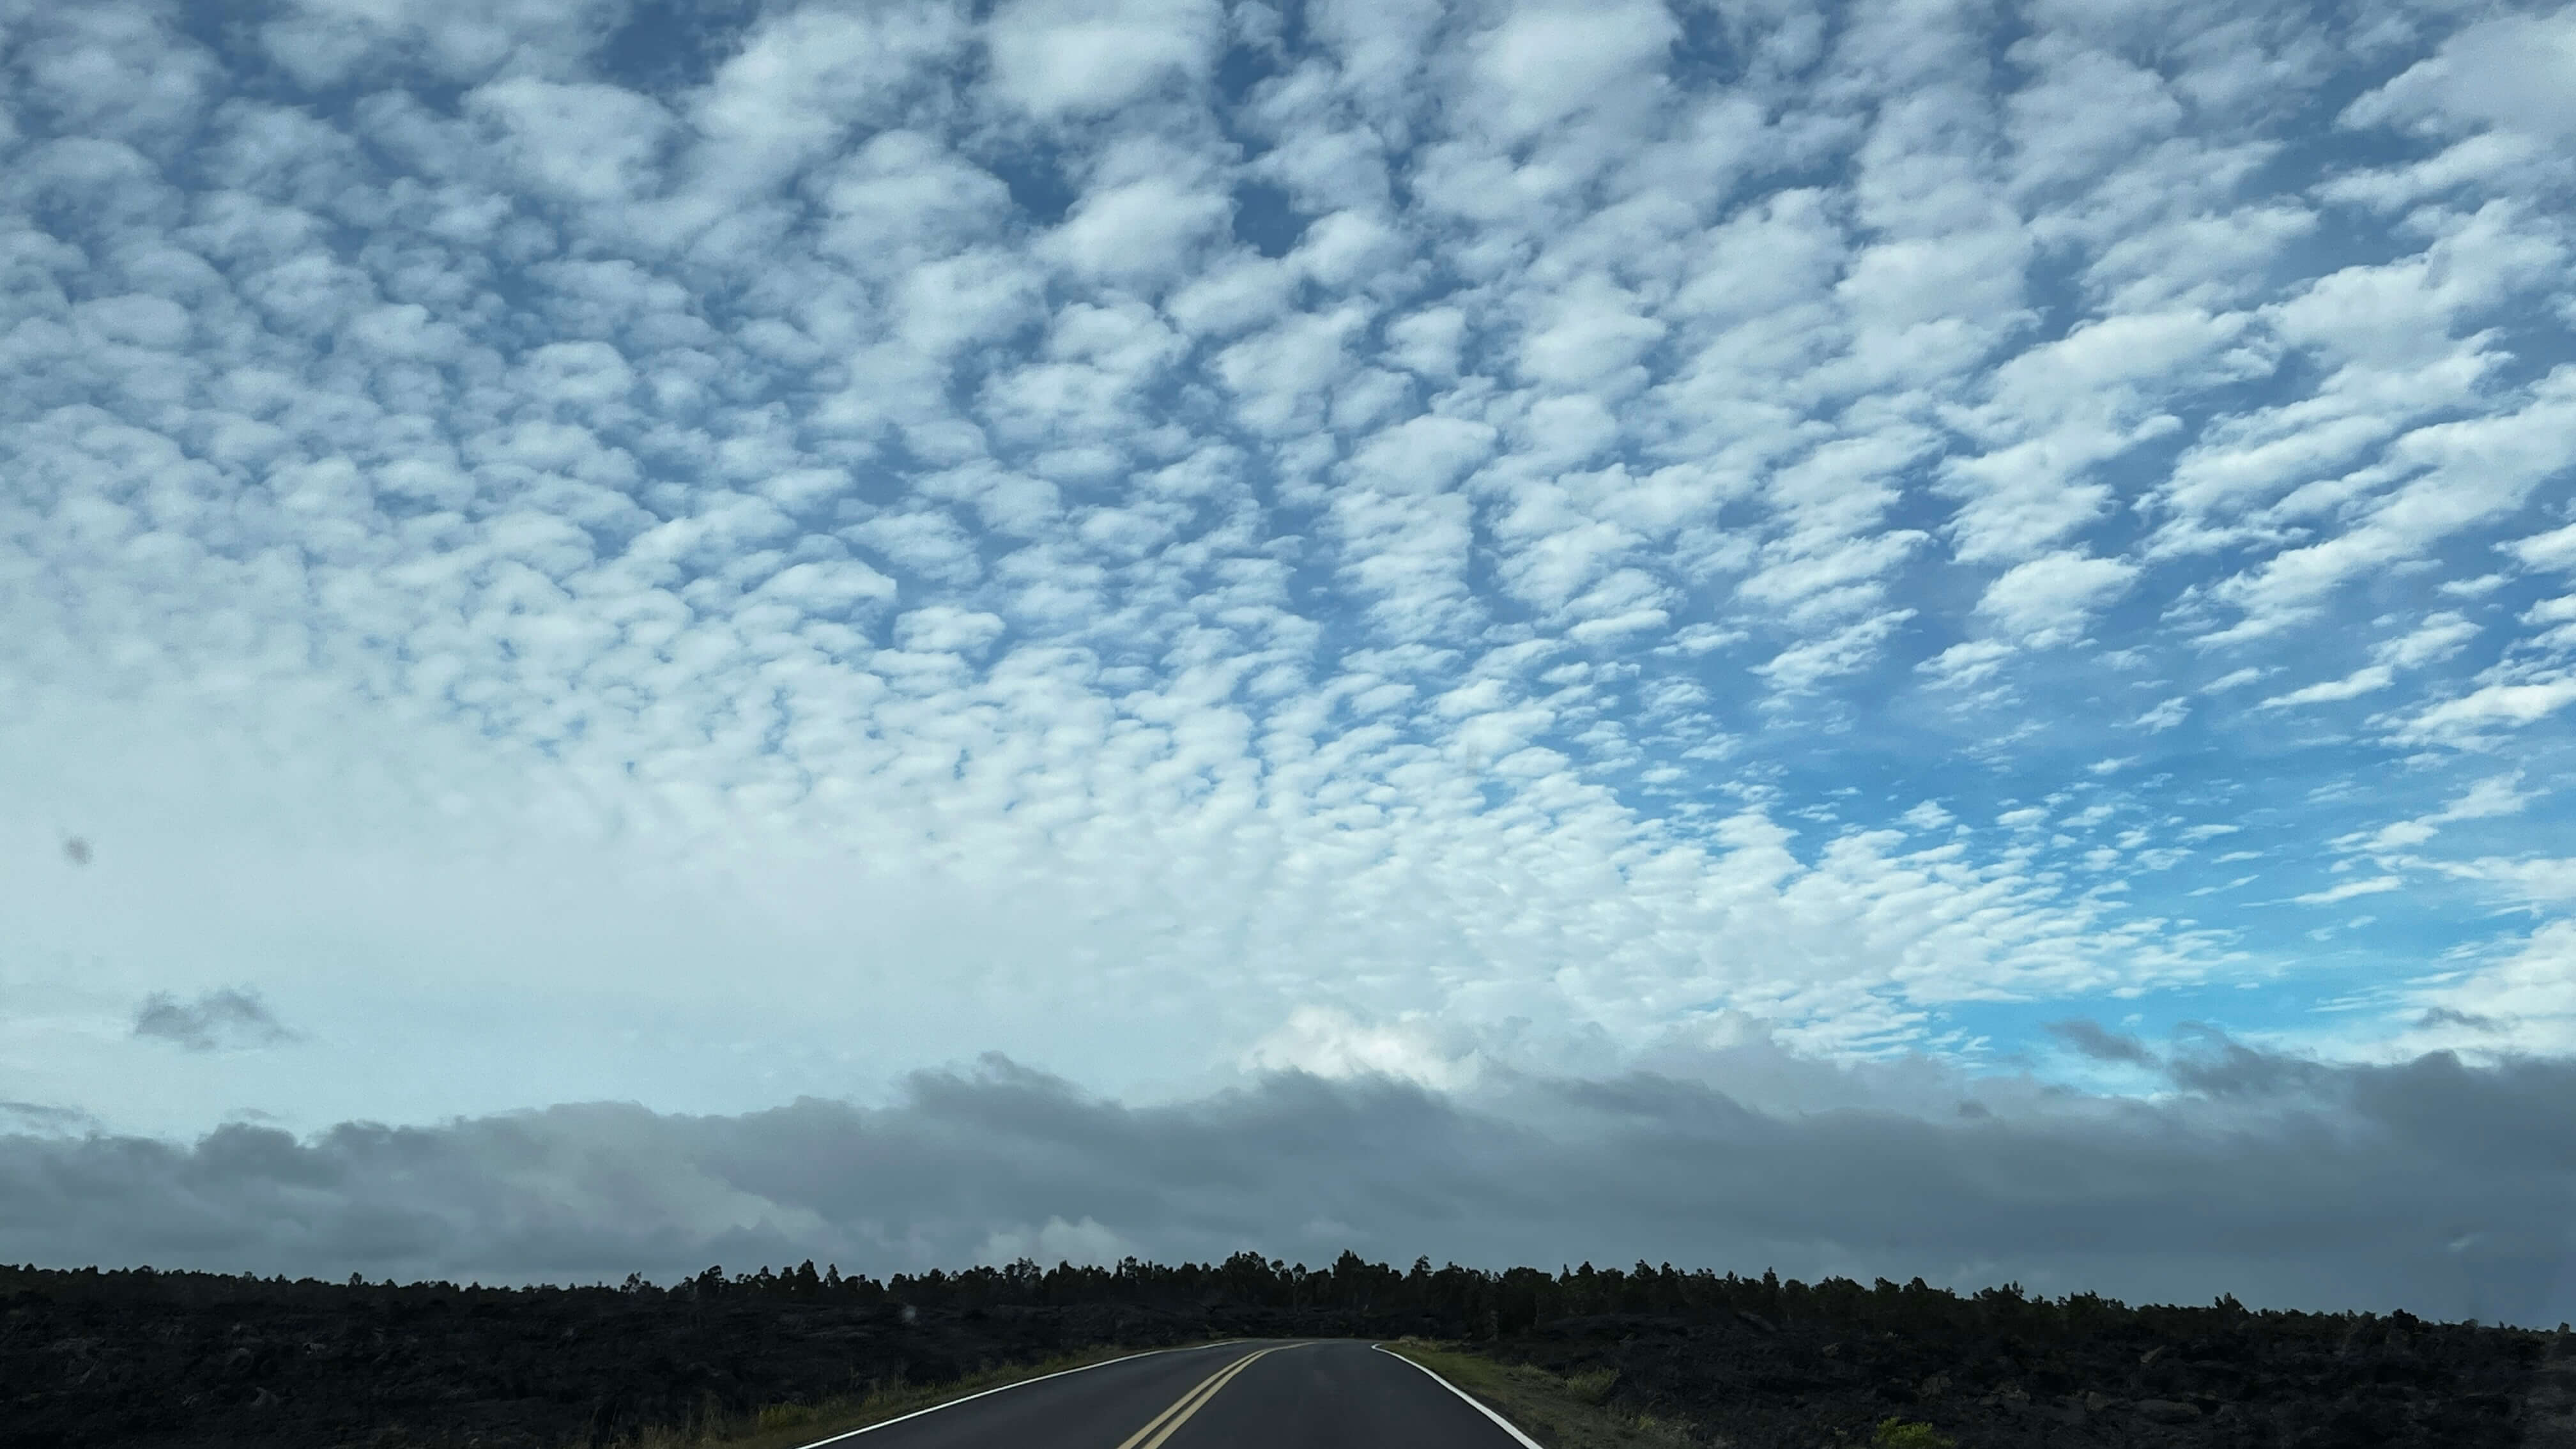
701, 593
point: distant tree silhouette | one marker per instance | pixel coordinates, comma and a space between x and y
1449, 1300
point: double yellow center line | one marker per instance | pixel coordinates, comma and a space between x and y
1164, 1423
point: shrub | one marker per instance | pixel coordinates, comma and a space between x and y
1592, 1387
787, 1416
1906, 1434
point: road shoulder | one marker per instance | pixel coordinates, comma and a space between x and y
1559, 1413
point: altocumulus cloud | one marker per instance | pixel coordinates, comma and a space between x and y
2426, 1184
595, 553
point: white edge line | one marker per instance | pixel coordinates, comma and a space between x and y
1022, 1384
1480, 1405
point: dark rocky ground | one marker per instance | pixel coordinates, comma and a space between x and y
2203, 1380
194, 1360
512, 1374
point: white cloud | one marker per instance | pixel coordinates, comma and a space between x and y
1082, 57
1592, 331
1801, 668
2555, 549
2164, 716
2351, 889
2548, 881
940, 629
1421, 455
1428, 341
1965, 666
2368, 679
1330, 1043
2437, 638
1144, 231
2462, 473
2514, 71
583, 142
2488, 799
325, 43
2048, 600
2556, 622
1545, 62
800, 81
2524, 1002
2501, 705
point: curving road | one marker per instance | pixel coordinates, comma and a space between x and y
1305, 1394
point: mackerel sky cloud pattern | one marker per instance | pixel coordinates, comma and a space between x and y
703, 554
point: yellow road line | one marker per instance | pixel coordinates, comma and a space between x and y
1163, 1424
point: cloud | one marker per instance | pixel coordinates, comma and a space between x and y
600, 541
2543, 881
1143, 232
2458, 474
2280, 1180
1079, 57
1966, 665
2512, 71
226, 1019
1085, 1243
1544, 63
325, 43
2047, 600
2365, 680
2519, 994
2471, 716
2093, 1040
2439, 637
2555, 549
583, 142
38, 1119
2375, 885
2487, 799
2165, 716
1326, 1042
1803, 667
2494, 796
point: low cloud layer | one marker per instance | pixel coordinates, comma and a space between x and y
2431, 1185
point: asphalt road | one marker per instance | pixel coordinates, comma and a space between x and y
1330, 1394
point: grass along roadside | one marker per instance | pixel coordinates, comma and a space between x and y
791, 1426
1559, 1412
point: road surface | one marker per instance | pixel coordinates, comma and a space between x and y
1302, 1394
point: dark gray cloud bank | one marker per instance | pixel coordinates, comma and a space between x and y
2433, 1185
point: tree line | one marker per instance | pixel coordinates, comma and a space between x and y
1351, 1292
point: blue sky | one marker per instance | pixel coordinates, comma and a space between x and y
703, 555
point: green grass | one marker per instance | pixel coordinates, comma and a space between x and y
1901, 1434
787, 1426
1561, 1412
